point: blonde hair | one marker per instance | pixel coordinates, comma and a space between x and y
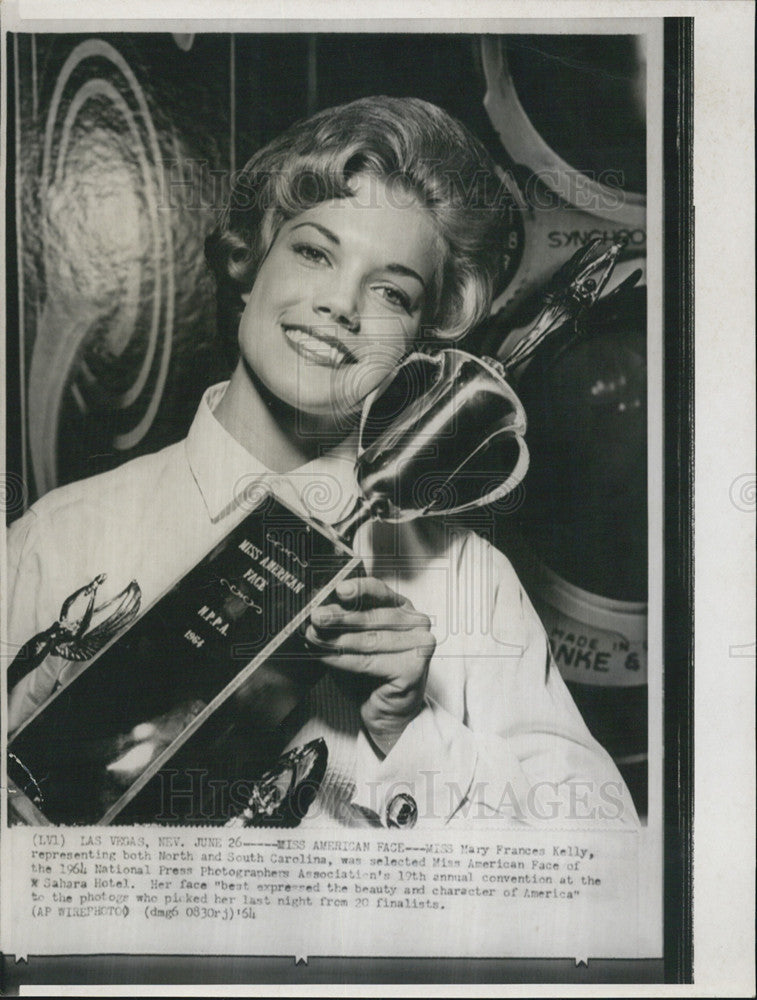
407, 143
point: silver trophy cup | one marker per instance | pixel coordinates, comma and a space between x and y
443, 435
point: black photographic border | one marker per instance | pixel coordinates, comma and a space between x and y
678, 645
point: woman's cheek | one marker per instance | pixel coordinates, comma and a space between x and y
357, 382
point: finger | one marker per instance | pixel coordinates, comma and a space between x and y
376, 641
331, 617
367, 592
393, 669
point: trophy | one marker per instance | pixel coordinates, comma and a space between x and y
179, 715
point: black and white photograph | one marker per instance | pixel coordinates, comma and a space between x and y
347, 624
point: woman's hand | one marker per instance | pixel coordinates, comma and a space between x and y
377, 634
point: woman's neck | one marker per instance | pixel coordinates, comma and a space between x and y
281, 437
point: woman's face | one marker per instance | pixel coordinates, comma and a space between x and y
338, 299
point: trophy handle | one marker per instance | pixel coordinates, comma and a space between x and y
515, 477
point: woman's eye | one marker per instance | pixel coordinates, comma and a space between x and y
311, 253
395, 296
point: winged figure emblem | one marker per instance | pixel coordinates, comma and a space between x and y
81, 630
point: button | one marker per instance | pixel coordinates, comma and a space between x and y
402, 812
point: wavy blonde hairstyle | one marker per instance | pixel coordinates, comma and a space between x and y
411, 146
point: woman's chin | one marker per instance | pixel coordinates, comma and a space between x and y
326, 418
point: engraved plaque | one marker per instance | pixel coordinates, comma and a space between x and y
169, 720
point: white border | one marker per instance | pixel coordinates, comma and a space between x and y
724, 538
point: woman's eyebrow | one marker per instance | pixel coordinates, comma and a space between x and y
333, 238
401, 269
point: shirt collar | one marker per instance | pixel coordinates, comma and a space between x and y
228, 476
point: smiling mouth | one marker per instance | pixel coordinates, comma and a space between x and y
318, 348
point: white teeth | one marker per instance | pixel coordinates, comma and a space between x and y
322, 352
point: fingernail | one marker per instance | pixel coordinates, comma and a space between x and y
321, 616
346, 588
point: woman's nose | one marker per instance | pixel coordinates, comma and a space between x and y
339, 301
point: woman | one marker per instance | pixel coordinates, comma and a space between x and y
349, 240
